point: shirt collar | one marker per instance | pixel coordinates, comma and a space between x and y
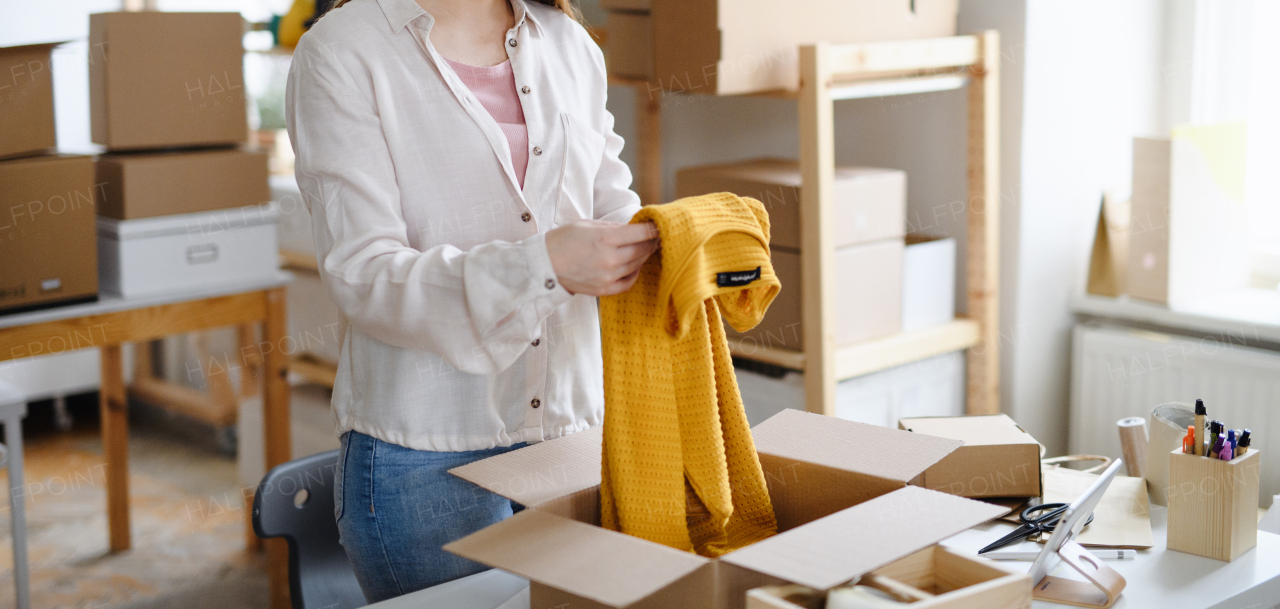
400, 12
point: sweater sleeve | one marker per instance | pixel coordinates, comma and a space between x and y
478, 309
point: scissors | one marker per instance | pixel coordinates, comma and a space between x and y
1043, 523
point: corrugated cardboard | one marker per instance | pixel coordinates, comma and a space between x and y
808, 459
1188, 235
928, 282
998, 458
868, 297
146, 185
164, 80
26, 100
48, 249
729, 47
630, 47
869, 203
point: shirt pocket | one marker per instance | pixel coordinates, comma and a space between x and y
583, 152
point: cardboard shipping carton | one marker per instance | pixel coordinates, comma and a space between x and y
727, 47
868, 297
843, 504
26, 100
998, 458
869, 202
166, 80
145, 185
48, 250
630, 46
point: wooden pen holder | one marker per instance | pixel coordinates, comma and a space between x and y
1213, 504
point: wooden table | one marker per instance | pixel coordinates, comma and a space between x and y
113, 321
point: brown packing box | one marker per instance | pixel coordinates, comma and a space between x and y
165, 80
624, 5
869, 203
145, 185
742, 46
48, 235
1147, 274
630, 46
998, 458
26, 100
844, 508
868, 297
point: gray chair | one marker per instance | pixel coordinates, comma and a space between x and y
13, 408
295, 501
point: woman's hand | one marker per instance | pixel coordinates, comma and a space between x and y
600, 258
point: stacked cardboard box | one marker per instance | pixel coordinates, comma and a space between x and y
630, 44
868, 233
46, 200
181, 198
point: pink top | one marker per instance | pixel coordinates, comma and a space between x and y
495, 87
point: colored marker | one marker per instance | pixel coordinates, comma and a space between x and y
1242, 445
1226, 453
1217, 448
1215, 432
1200, 414
1231, 440
1189, 441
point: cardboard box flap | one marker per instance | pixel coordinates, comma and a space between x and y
540, 472
597, 564
867, 449
973, 430
25, 48
855, 541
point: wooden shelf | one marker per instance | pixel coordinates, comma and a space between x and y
873, 355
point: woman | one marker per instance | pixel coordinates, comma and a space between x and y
468, 203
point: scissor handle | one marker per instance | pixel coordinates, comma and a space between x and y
1055, 511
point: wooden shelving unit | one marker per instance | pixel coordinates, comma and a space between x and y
829, 73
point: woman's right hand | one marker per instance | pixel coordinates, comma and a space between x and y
600, 258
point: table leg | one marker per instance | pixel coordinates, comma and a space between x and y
18, 519
115, 445
276, 430
246, 340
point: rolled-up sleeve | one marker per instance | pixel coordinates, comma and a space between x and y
478, 309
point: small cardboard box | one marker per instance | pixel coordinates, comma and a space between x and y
146, 185
928, 282
187, 251
998, 458
868, 297
844, 509
728, 47
166, 80
1213, 504
933, 578
630, 46
869, 203
26, 100
48, 252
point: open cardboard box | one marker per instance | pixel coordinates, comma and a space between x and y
998, 458
839, 489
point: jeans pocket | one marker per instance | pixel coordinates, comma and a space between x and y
344, 448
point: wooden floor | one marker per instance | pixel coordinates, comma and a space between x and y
188, 519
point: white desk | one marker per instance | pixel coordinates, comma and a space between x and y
1157, 579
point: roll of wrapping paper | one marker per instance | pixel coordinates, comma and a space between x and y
1168, 426
1133, 440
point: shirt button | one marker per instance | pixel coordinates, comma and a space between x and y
512, 42
535, 403
536, 342
537, 151
551, 284
526, 216
525, 89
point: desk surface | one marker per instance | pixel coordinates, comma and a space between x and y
111, 303
1157, 578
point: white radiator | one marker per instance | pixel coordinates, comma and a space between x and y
1119, 373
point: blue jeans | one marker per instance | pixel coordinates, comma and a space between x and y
397, 506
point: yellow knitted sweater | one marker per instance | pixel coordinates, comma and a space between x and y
680, 467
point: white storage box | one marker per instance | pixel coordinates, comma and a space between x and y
928, 282
187, 251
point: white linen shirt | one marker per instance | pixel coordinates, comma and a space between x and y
460, 336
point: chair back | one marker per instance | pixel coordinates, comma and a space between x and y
295, 502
